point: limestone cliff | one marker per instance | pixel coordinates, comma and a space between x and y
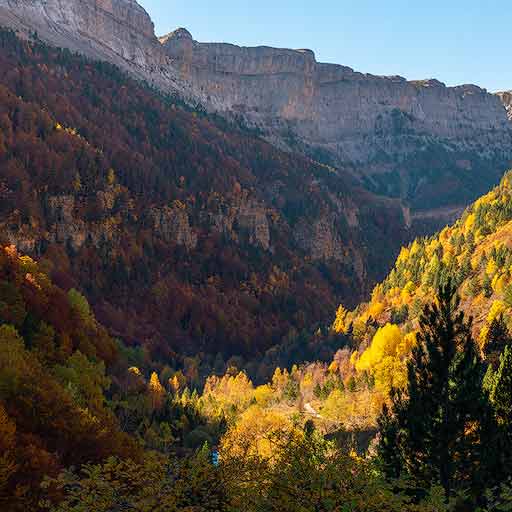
119, 31
506, 98
328, 103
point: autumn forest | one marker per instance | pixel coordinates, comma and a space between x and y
187, 321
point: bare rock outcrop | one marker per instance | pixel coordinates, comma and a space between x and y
348, 114
332, 111
118, 31
506, 99
320, 239
245, 219
173, 225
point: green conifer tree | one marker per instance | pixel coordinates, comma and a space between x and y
439, 429
501, 389
496, 340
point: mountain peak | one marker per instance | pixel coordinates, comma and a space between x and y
181, 33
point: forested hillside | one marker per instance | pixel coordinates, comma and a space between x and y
53, 362
82, 428
165, 282
476, 253
187, 235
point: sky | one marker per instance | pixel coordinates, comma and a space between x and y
455, 41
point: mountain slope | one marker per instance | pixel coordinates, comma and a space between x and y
434, 147
118, 31
186, 234
476, 253
53, 358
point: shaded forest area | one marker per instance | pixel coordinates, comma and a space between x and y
188, 236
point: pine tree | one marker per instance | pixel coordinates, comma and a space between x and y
501, 399
496, 340
474, 286
388, 450
156, 392
501, 390
507, 296
437, 431
487, 286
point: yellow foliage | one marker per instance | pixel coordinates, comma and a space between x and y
470, 222
339, 325
227, 395
156, 391
445, 234
415, 247
491, 268
403, 256
334, 367
407, 291
111, 176
448, 256
384, 343
356, 411
280, 379
375, 309
263, 395
336, 406
359, 327
174, 383
405, 346
307, 382
135, 371
390, 372
499, 283
498, 307
254, 434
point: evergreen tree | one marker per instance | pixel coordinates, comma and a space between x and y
507, 296
496, 340
474, 286
438, 430
501, 390
487, 286
501, 398
387, 449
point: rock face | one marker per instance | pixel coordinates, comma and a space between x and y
119, 31
506, 98
328, 105
413, 140
320, 239
173, 225
245, 219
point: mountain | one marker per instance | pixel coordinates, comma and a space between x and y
186, 234
435, 148
475, 252
387, 130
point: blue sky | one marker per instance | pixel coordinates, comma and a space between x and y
455, 41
